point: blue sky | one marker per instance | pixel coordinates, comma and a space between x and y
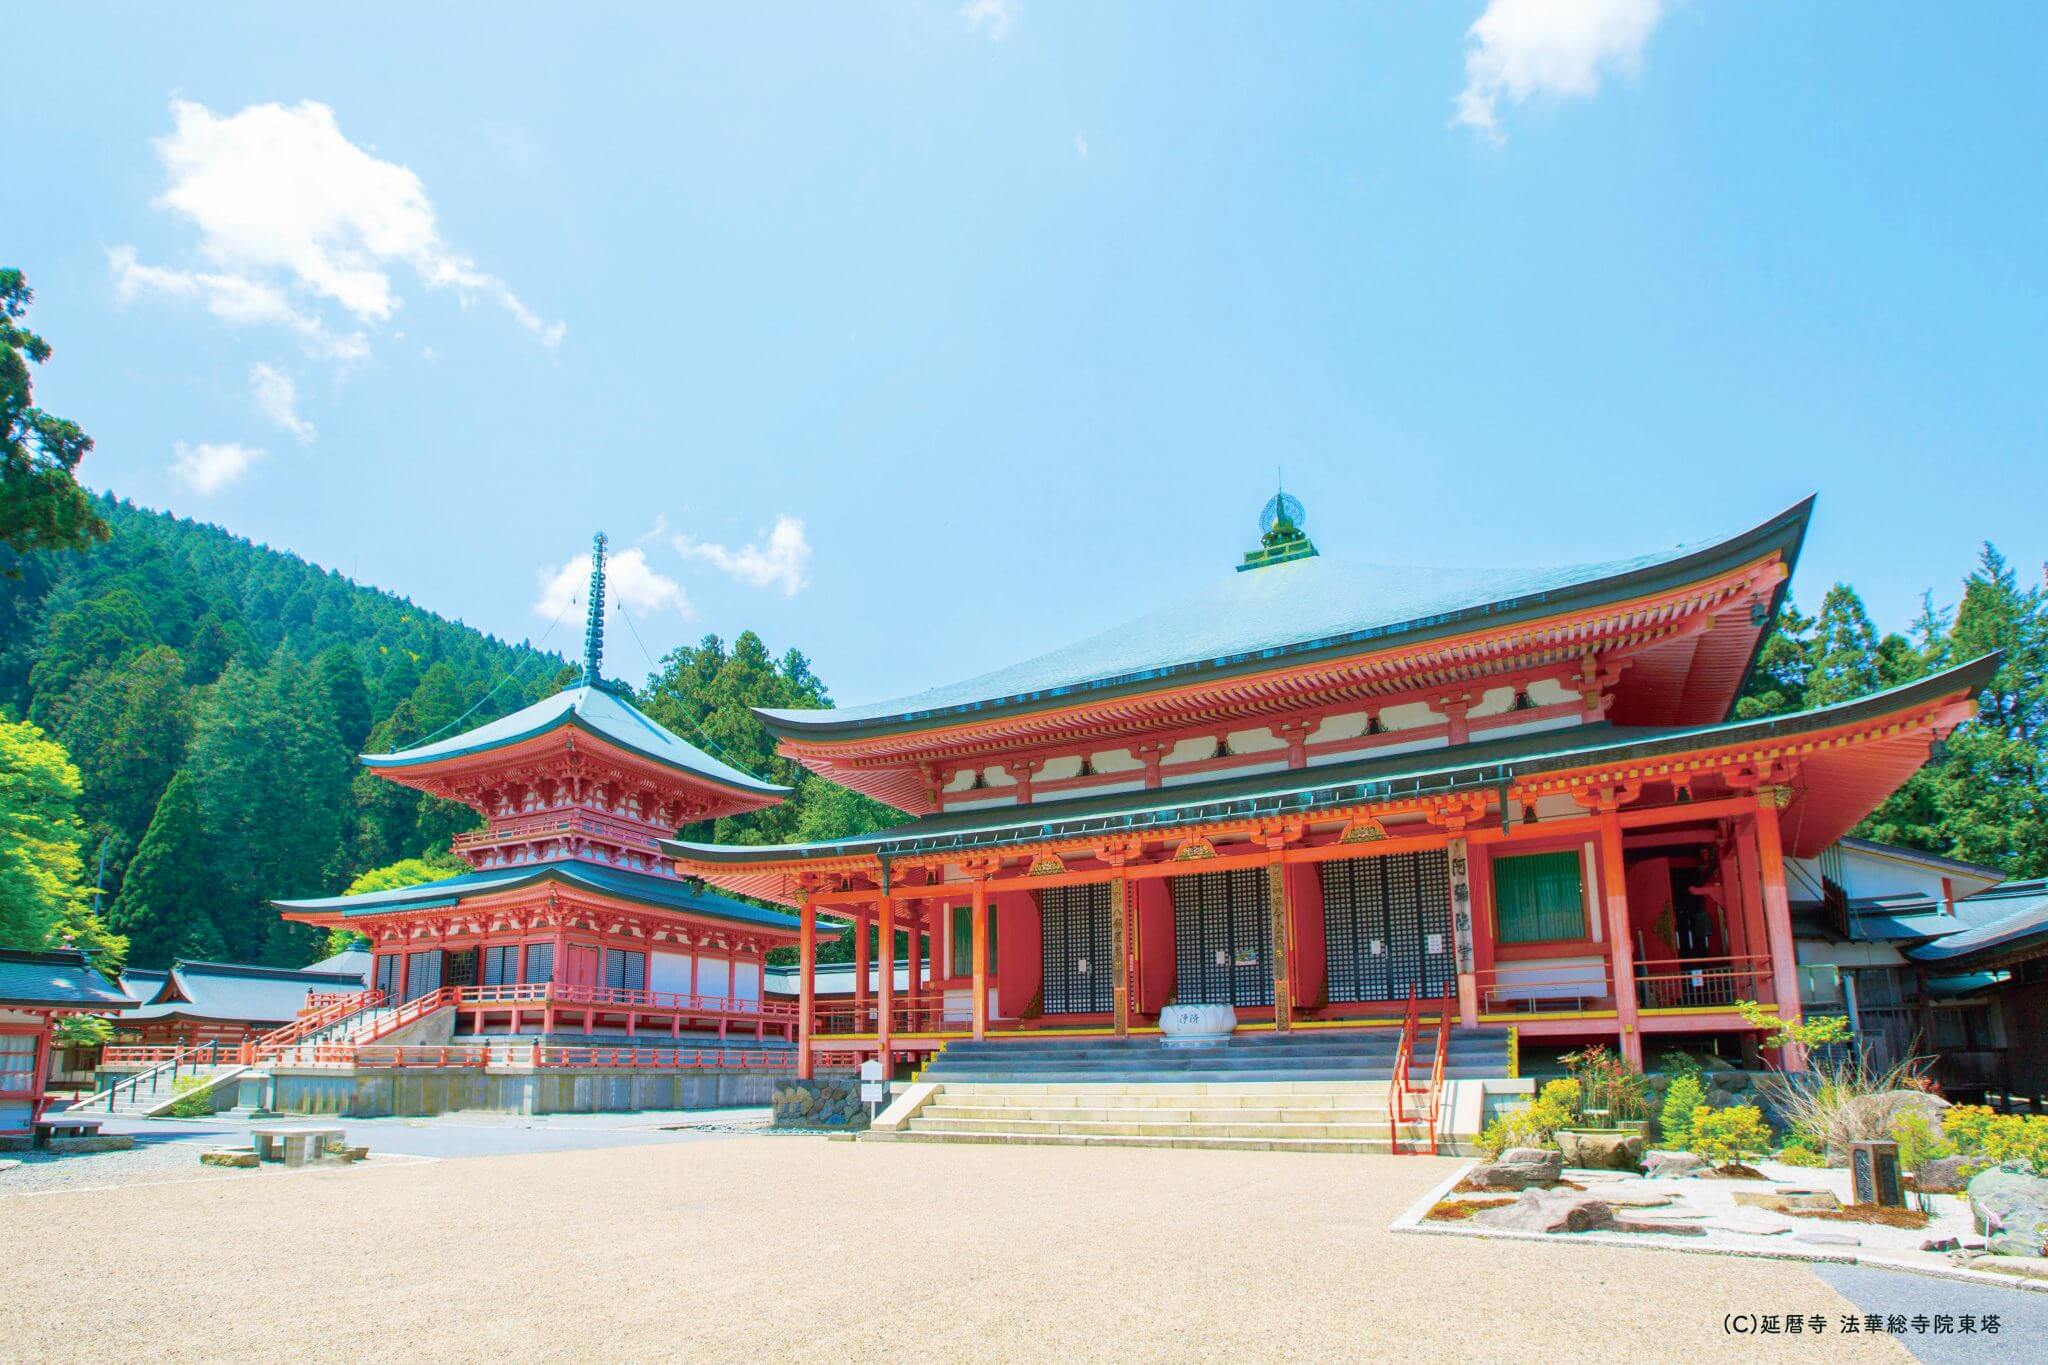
925, 336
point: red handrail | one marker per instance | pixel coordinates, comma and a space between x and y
544, 992
1397, 1083
340, 1008
1436, 1070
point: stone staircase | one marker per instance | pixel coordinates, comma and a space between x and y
150, 1091
1308, 1091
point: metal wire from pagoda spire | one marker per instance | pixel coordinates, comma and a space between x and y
593, 632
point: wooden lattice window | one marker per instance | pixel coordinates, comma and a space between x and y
1539, 898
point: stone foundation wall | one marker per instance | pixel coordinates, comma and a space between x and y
432, 1090
822, 1102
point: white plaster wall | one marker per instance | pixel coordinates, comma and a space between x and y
1115, 761
1493, 703
669, 972
714, 976
1255, 741
1169, 778
1409, 716
746, 981
1548, 692
1059, 769
1405, 747
1192, 750
1350, 725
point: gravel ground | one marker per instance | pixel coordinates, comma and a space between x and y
153, 1159
735, 1249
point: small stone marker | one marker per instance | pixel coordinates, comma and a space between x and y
1874, 1171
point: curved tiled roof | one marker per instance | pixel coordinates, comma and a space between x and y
668, 893
243, 992
1296, 608
2005, 919
598, 711
61, 978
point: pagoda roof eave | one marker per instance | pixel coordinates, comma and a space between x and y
654, 892
596, 712
1540, 592
1422, 774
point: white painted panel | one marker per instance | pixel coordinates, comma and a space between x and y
1169, 778
1409, 716
669, 972
1496, 700
1254, 741
1115, 761
1059, 769
1377, 750
983, 803
1547, 692
1192, 750
1348, 726
714, 975
746, 981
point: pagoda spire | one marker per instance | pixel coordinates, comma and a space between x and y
593, 631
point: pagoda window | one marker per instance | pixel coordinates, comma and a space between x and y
540, 962
422, 973
501, 965
17, 1063
387, 976
625, 970
1539, 898
963, 940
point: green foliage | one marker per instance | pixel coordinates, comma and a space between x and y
1917, 1140
1680, 1100
43, 898
1724, 1136
83, 1030
1997, 1138
41, 505
192, 1099
164, 905
1799, 1154
1534, 1124
1820, 1030
1608, 1083
1679, 1062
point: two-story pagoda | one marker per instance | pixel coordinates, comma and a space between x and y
574, 924
1315, 790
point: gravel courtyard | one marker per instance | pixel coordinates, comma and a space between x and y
750, 1247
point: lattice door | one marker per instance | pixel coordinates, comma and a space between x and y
1387, 926
1222, 927
1075, 950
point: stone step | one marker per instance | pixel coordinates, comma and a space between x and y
1095, 1097
999, 1114
1011, 1127
1263, 1092
1357, 1146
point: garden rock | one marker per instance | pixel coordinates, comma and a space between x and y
96, 1142
236, 1158
1617, 1150
1537, 1211
1943, 1175
1873, 1115
2012, 1207
2029, 1267
1518, 1168
1786, 1201
1941, 1244
1671, 1165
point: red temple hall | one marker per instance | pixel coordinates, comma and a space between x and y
1327, 796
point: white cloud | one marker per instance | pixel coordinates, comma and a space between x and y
234, 299
291, 213
992, 17
277, 398
1081, 144
779, 561
212, 465
1521, 48
628, 577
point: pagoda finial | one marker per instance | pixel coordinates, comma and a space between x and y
1281, 538
593, 633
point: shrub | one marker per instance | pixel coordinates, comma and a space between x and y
1823, 1030
1555, 1106
1607, 1082
1918, 1141
1724, 1136
1998, 1138
1796, 1155
1823, 1108
1684, 1096
191, 1098
1678, 1062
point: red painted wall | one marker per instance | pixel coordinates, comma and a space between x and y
1019, 970
1154, 898
1305, 931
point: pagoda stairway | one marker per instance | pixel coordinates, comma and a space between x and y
1312, 1090
147, 1092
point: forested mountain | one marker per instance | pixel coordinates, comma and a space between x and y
213, 694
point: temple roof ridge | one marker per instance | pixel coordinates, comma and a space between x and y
1291, 607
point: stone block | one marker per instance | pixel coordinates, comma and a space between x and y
1943, 1175
1615, 1149
1518, 1168
98, 1142
2011, 1207
1785, 1201
236, 1158
1671, 1165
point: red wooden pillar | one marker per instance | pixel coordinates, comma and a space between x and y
885, 914
39, 1080
806, 981
863, 966
980, 932
1620, 941
1770, 851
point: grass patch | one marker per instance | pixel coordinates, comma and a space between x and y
1867, 1213
1457, 1210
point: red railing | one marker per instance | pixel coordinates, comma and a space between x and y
928, 1015
513, 1053
121, 1056
540, 824
1407, 1103
1700, 982
555, 992
1397, 1084
311, 1021
1436, 1070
